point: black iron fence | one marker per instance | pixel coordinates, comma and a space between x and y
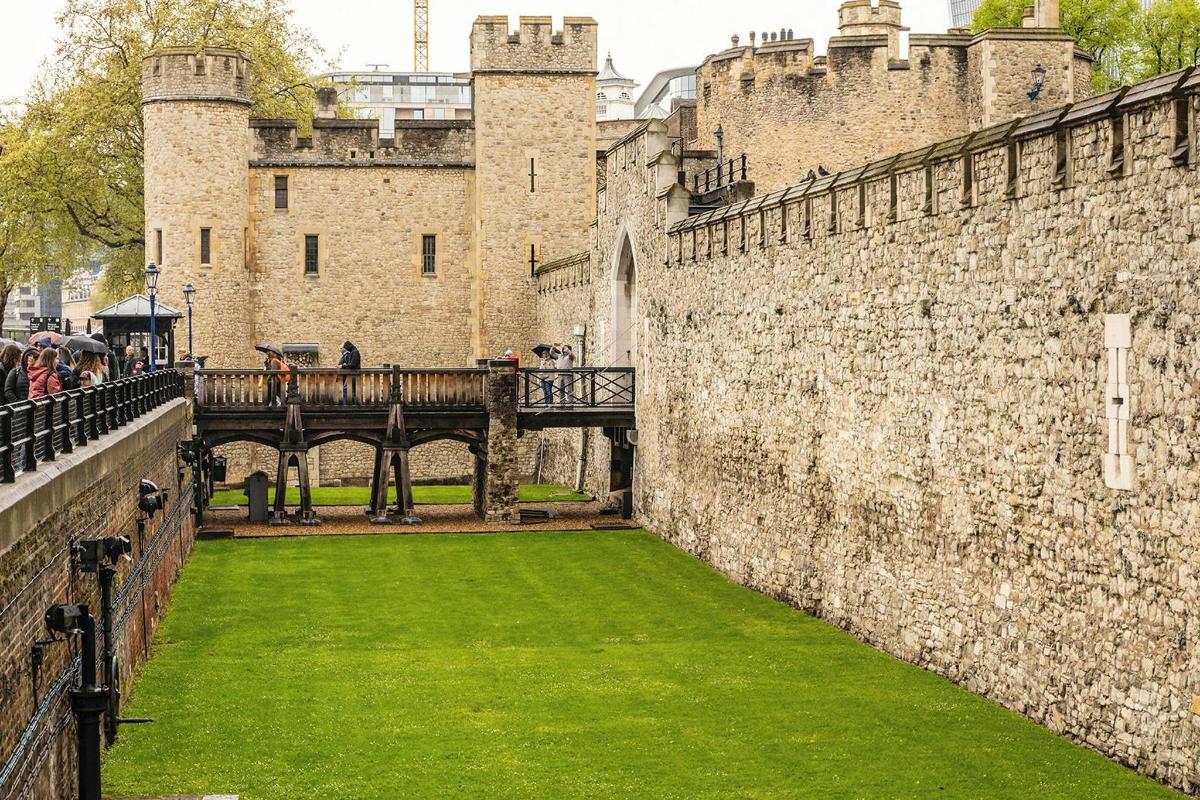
583, 387
33, 432
722, 174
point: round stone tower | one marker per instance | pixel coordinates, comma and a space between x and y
196, 106
872, 18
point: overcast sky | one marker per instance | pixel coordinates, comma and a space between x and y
644, 37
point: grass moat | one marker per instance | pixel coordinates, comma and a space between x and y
555, 665
449, 494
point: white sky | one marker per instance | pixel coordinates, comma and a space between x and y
644, 37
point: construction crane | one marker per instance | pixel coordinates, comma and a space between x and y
420, 35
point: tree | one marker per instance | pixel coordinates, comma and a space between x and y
24, 243
1166, 37
84, 149
1101, 27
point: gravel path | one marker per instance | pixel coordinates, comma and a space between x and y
342, 520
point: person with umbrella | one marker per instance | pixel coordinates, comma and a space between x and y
278, 373
548, 355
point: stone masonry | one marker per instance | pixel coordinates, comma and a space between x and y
894, 411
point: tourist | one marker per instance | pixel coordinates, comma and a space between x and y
112, 364
9, 357
130, 361
43, 375
509, 355
90, 370
16, 384
566, 361
549, 360
351, 360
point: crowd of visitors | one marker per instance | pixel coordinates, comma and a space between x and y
52, 363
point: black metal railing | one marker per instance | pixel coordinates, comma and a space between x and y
721, 175
33, 432
584, 387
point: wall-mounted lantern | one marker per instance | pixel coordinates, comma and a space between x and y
1039, 78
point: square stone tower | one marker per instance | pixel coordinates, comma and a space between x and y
535, 141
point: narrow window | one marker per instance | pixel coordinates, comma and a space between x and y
312, 261
862, 205
762, 228
808, 226
893, 197
833, 211
1116, 145
783, 212
968, 180
532, 175
1062, 158
533, 260
281, 191
695, 246
206, 246
744, 242
1182, 153
429, 254
930, 204
158, 247
1013, 164
725, 237
709, 252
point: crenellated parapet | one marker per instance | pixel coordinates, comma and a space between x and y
187, 73
535, 47
357, 143
1073, 148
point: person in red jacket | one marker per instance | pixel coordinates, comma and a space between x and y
43, 376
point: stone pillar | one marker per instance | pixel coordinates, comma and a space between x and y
500, 476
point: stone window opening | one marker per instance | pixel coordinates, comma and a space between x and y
807, 230
205, 247
1181, 155
429, 254
930, 205
158, 246
742, 244
762, 227
1062, 159
695, 244
281, 192
862, 205
353, 154
725, 237
833, 211
533, 259
709, 249
783, 231
1118, 133
312, 262
893, 197
968, 181
532, 175
1013, 168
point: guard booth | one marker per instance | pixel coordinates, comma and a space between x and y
128, 323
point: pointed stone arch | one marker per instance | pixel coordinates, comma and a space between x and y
623, 339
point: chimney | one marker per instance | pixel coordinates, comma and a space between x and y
1029, 17
1047, 14
327, 103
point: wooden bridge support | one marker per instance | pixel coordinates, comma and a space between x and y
391, 458
293, 450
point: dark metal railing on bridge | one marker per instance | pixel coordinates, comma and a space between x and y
245, 389
33, 432
722, 174
584, 387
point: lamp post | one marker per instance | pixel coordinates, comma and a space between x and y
152, 273
189, 294
1039, 78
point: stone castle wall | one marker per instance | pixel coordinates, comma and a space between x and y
897, 419
89, 494
794, 111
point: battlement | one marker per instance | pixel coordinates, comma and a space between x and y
357, 143
185, 73
535, 47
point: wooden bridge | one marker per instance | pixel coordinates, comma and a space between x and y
395, 409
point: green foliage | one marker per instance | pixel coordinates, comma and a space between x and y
422, 495
998, 14
1167, 36
83, 117
529, 665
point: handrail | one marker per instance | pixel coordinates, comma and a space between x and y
724, 172
36, 431
579, 387
259, 389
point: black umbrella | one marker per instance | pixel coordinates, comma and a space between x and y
541, 350
85, 344
269, 349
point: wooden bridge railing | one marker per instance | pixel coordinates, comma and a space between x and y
220, 389
33, 432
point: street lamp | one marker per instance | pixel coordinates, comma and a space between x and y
152, 273
1039, 78
189, 294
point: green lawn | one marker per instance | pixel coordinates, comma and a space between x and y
547, 665
422, 495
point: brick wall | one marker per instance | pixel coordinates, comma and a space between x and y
89, 494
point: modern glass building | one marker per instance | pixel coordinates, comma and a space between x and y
961, 12
389, 96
